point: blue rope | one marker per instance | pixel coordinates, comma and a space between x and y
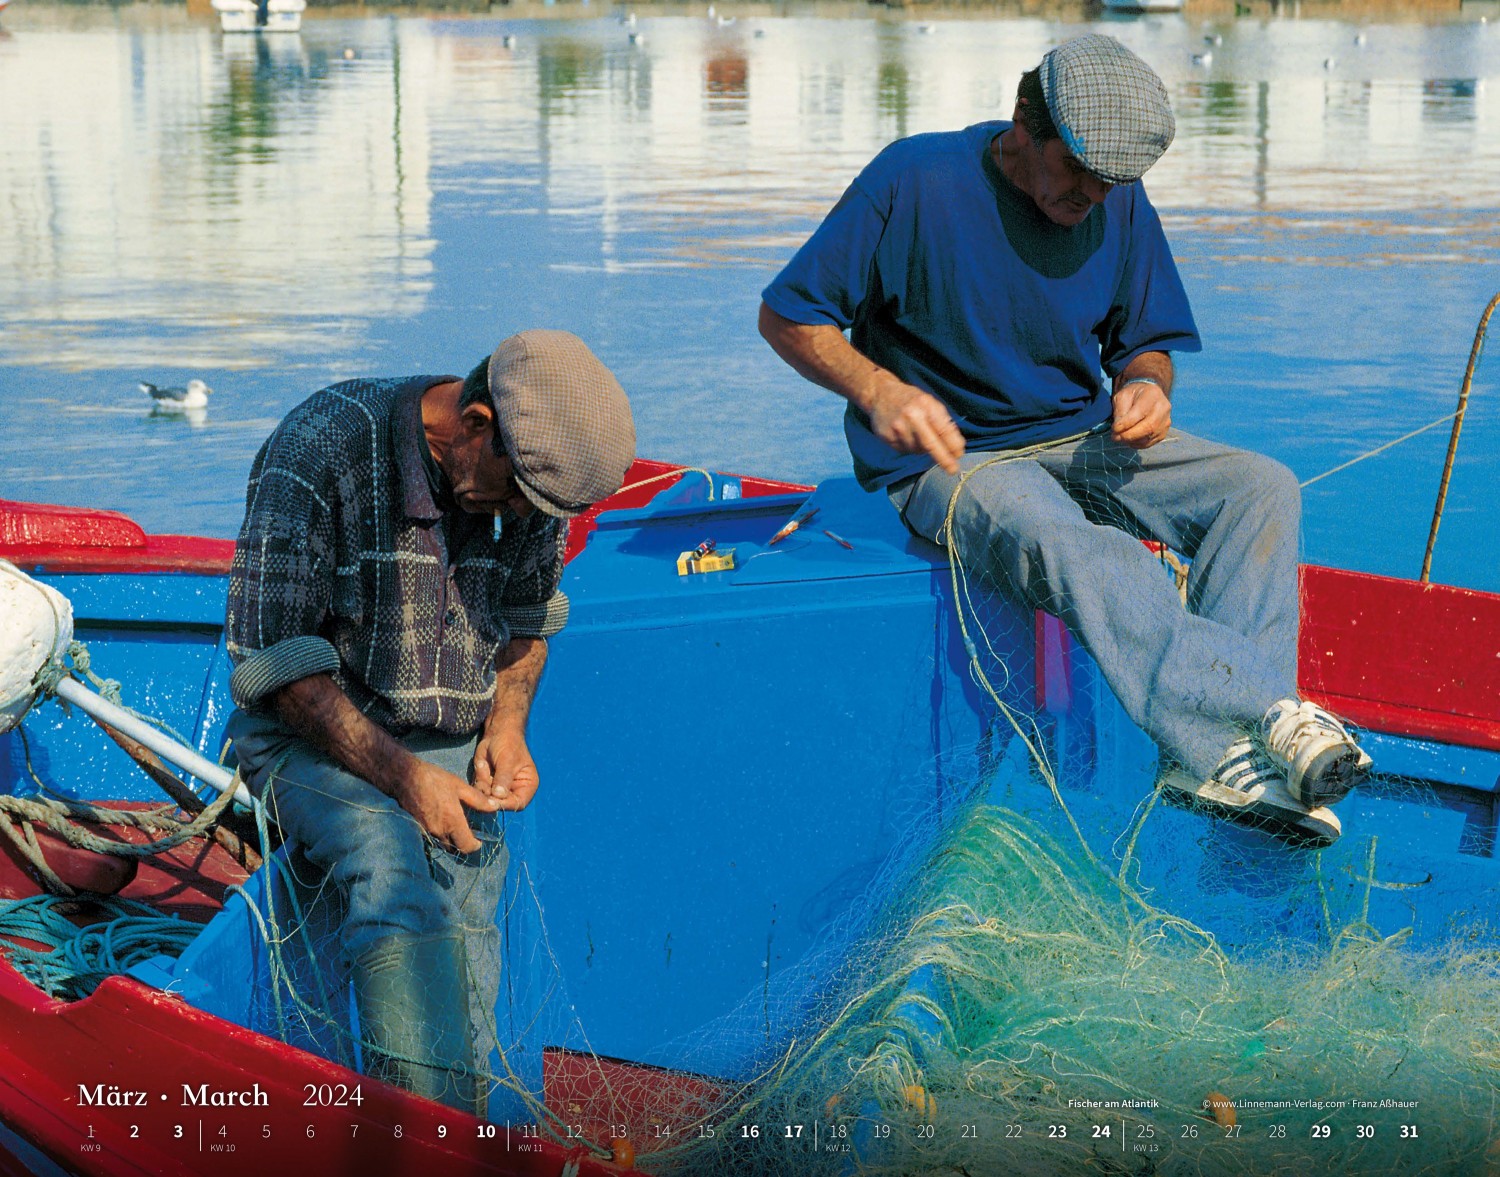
74, 960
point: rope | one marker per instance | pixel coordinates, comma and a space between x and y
678, 473
1380, 449
81, 660
60, 815
74, 960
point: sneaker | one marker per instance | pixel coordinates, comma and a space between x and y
1319, 756
1248, 786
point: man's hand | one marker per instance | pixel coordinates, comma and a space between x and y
1142, 415
911, 421
436, 798
503, 768
902, 415
319, 711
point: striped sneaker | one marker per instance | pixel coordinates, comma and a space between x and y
1319, 756
1248, 786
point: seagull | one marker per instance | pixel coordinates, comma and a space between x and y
508, 41
1214, 39
722, 21
1205, 58
637, 38
1329, 62
927, 30
628, 19
1359, 38
176, 400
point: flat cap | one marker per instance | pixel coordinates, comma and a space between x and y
563, 419
1109, 106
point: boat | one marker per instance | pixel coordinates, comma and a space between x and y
260, 16
1142, 5
746, 746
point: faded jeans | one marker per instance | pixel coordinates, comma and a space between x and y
388, 876
1061, 530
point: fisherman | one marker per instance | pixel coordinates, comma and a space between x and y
394, 586
986, 277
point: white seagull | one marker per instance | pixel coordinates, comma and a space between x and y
176, 400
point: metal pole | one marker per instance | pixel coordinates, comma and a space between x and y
1458, 424
142, 732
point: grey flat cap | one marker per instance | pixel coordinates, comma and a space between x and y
1109, 106
563, 419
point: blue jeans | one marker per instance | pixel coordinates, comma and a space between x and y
386, 875
1061, 531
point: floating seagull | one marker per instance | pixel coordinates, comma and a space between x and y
1359, 38
721, 21
1329, 62
1204, 59
509, 40
637, 38
927, 29
1214, 39
174, 400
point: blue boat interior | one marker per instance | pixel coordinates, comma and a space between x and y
741, 769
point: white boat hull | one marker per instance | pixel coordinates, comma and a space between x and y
247, 16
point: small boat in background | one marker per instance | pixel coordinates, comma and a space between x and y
1142, 5
260, 16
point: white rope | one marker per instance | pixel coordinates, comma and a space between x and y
1380, 449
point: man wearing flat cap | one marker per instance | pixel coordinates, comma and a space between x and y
1012, 303
393, 589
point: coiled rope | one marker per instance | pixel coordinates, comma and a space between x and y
73, 960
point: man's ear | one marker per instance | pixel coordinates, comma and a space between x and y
1018, 129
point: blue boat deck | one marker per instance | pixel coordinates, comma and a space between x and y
738, 767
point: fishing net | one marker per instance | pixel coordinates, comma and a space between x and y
1055, 967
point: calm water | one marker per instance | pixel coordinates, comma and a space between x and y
390, 195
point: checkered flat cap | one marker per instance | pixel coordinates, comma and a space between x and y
1109, 106
563, 419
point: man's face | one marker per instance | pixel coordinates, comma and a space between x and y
1061, 187
483, 480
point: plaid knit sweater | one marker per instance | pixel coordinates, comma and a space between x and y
345, 565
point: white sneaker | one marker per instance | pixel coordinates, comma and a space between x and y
1319, 756
1248, 786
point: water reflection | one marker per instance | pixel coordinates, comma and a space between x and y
231, 198
383, 195
204, 201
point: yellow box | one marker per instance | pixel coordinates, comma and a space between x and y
719, 560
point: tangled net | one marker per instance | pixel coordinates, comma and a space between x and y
1029, 1014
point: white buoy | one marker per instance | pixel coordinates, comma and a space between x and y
36, 625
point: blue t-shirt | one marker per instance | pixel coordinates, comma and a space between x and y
949, 276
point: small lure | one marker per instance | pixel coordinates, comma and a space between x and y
792, 526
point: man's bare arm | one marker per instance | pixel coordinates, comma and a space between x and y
1143, 400
503, 768
318, 710
903, 416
